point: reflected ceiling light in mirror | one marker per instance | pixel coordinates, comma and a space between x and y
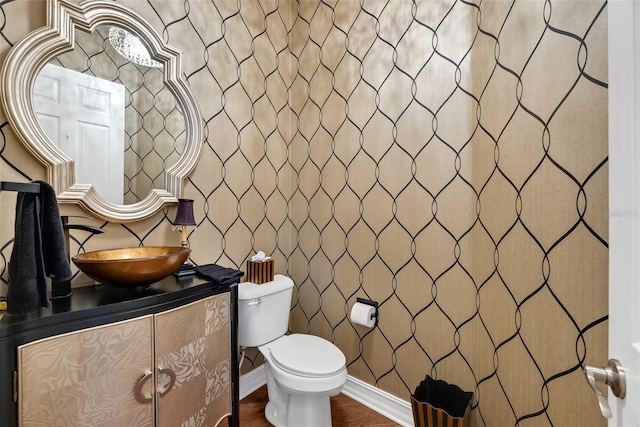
131, 48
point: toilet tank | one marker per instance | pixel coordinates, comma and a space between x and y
263, 310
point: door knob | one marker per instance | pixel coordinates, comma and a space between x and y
611, 375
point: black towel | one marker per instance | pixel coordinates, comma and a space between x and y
221, 276
38, 251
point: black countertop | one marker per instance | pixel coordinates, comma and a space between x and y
101, 304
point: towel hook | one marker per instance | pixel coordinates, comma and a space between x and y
22, 187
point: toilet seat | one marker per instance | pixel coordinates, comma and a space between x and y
288, 371
307, 356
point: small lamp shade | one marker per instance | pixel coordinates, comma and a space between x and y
184, 215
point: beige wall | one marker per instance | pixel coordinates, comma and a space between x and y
445, 159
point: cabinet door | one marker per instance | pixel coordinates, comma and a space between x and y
86, 378
194, 343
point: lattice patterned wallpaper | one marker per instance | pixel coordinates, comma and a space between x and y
445, 158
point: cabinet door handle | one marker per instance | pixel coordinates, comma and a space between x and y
140, 397
172, 375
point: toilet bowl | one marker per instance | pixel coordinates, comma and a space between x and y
302, 371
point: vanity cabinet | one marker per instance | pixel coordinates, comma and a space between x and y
87, 377
192, 352
162, 356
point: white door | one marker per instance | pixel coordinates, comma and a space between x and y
84, 117
624, 209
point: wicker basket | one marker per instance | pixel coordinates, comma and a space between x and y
438, 404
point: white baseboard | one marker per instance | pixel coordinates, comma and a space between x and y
372, 397
251, 381
386, 404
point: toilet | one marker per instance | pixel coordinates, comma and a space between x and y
302, 371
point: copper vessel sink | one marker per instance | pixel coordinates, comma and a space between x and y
131, 266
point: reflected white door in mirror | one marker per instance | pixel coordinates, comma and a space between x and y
64, 159
84, 117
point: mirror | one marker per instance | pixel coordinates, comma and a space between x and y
106, 106
160, 138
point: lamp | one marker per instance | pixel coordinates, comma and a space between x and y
184, 217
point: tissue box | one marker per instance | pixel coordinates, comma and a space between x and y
260, 272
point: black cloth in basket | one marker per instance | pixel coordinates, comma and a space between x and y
436, 403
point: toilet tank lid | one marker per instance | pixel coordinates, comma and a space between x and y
250, 291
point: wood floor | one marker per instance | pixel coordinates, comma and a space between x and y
345, 412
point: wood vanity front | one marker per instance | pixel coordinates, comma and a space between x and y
164, 355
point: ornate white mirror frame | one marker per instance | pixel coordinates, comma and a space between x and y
18, 75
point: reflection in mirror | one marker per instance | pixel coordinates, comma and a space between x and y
112, 115
163, 136
130, 47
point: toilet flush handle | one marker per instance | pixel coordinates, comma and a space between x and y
257, 301
611, 375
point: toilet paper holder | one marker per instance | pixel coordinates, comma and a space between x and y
372, 303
